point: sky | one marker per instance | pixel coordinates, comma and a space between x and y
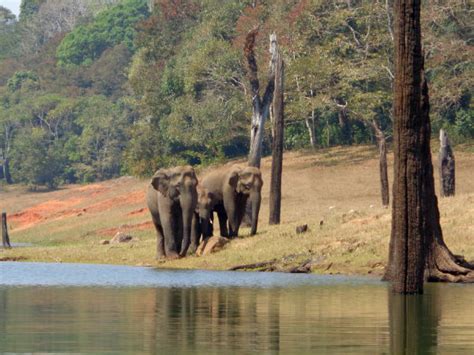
13, 5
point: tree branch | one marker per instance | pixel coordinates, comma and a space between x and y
249, 52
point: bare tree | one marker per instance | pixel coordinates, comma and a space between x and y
278, 128
260, 105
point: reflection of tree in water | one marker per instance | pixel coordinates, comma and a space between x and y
414, 321
215, 319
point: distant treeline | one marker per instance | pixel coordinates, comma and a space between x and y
90, 90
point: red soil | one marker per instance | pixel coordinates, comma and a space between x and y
128, 199
44, 211
86, 196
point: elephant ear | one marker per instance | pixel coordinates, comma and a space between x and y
160, 182
234, 178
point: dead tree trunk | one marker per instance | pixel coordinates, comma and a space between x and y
382, 145
277, 149
446, 166
260, 106
5, 236
406, 255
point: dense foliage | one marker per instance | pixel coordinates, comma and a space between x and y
112, 87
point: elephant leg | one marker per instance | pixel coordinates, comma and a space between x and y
241, 210
230, 206
170, 247
160, 246
222, 220
255, 200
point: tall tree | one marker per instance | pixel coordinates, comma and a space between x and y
407, 259
278, 128
260, 105
417, 238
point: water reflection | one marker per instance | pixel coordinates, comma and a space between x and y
209, 320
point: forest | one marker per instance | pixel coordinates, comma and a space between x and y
91, 90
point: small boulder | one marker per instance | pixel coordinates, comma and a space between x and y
301, 229
211, 245
121, 238
104, 242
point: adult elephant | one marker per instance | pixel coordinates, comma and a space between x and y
172, 199
230, 189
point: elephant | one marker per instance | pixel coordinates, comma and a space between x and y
172, 200
202, 219
229, 191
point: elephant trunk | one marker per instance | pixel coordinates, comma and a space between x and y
195, 233
255, 200
188, 205
205, 228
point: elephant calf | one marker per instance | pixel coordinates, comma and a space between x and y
228, 191
172, 200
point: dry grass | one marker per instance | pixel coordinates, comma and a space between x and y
338, 186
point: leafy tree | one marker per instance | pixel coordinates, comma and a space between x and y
23, 79
29, 8
35, 159
111, 27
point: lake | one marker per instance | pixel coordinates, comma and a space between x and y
116, 309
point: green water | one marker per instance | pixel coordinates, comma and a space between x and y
181, 312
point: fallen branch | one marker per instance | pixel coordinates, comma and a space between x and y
253, 266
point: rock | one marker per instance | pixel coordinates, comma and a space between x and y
121, 238
211, 245
301, 229
104, 242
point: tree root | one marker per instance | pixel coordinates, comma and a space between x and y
444, 266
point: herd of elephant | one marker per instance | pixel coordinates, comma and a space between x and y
182, 208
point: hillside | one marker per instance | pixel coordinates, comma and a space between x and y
338, 186
113, 88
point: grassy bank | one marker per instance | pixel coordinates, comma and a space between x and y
334, 191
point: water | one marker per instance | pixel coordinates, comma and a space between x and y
112, 309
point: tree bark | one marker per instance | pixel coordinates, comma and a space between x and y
446, 166
382, 145
406, 255
277, 149
260, 106
5, 236
6, 171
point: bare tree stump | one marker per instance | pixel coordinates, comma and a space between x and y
446, 166
5, 237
